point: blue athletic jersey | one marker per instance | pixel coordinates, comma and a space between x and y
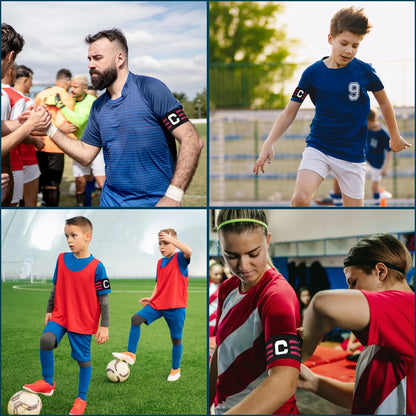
376, 147
139, 153
182, 263
339, 127
76, 265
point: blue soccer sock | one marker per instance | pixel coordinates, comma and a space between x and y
376, 197
176, 356
47, 363
336, 199
134, 337
84, 381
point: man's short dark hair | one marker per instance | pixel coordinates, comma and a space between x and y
10, 40
64, 74
113, 35
23, 71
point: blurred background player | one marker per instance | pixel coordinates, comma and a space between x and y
377, 153
380, 308
31, 171
338, 86
79, 118
78, 298
51, 157
255, 365
168, 300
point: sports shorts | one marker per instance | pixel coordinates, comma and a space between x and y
80, 343
51, 166
175, 318
374, 173
350, 175
96, 167
18, 186
30, 173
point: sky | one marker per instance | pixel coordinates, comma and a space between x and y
389, 47
167, 40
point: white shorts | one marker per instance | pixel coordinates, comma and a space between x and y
30, 173
97, 167
374, 173
18, 186
350, 176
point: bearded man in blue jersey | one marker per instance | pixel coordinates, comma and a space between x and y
136, 122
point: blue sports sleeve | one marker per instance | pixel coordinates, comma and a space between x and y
158, 97
102, 282
183, 263
302, 89
91, 133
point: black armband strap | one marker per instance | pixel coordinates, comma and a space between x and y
102, 285
299, 95
174, 119
283, 346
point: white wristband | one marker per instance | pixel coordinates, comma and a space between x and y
51, 131
175, 193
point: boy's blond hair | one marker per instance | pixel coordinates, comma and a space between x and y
170, 231
351, 19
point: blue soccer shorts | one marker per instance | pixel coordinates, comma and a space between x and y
175, 318
80, 343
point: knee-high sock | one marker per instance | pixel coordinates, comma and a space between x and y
84, 381
134, 337
176, 356
47, 363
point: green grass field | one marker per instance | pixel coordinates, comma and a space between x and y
146, 391
195, 196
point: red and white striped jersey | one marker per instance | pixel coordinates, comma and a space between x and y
385, 373
256, 330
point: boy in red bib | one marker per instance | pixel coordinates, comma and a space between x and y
169, 299
78, 298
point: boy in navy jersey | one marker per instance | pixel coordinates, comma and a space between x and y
377, 153
338, 86
78, 298
169, 299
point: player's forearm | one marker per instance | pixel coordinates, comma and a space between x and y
283, 121
335, 391
190, 149
105, 310
270, 395
213, 375
8, 126
75, 148
51, 300
387, 111
15, 137
186, 250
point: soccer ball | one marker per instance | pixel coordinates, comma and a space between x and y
118, 371
24, 403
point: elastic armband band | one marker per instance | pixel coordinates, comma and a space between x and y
175, 193
174, 119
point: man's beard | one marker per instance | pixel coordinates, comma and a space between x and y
104, 79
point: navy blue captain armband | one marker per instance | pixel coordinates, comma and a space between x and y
102, 285
299, 95
174, 119
283, 346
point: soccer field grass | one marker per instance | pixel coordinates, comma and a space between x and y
146, 391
